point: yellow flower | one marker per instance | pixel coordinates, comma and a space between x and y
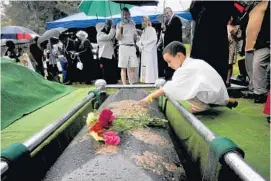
150, 99
91, 118
96, 137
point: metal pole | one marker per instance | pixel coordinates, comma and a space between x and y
131, 86
33, 142
192, 26
241, 168
38, 138
232, 159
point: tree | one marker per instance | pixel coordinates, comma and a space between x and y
35, 14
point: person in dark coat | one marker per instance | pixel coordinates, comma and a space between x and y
10, 52
172, 32
37, 54
210, 42
69, 49
91, 69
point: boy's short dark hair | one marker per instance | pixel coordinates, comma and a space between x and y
175, 47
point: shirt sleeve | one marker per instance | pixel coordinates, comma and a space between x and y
183, 86
139, 44
151, 37
106, 37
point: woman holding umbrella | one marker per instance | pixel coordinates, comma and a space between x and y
105, 37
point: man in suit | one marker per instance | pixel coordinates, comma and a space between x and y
172, 32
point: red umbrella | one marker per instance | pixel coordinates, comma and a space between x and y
267, 105
24, 36
17, 33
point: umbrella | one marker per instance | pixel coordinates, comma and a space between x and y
17, 33
139, 3
52, 33
100, 8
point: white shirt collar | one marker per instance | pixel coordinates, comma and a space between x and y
185, 61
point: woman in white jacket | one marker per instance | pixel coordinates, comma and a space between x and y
148, 48
105, 37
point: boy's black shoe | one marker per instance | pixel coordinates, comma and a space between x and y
232, 104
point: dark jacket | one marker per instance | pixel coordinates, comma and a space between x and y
210, 42
36, 52
173, 31
12, 54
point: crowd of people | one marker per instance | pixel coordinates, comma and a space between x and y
201, 79
124, 51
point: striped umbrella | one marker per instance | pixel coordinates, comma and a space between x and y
17, 33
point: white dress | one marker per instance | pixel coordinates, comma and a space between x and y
25, 61
148, 48
197, 79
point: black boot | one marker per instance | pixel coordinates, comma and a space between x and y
260, 98
268, 119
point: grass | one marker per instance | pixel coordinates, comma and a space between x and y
188, 49
246, 125
235, 66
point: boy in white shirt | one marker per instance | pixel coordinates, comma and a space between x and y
194, 80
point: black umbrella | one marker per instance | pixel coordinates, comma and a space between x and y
52, 33
139, 3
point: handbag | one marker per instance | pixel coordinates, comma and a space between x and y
79, 65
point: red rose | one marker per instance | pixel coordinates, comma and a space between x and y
106, 117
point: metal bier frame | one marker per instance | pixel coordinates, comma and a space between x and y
33, 142
232, 159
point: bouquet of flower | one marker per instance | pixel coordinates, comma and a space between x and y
99, 127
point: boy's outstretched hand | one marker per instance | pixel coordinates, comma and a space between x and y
144, 101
